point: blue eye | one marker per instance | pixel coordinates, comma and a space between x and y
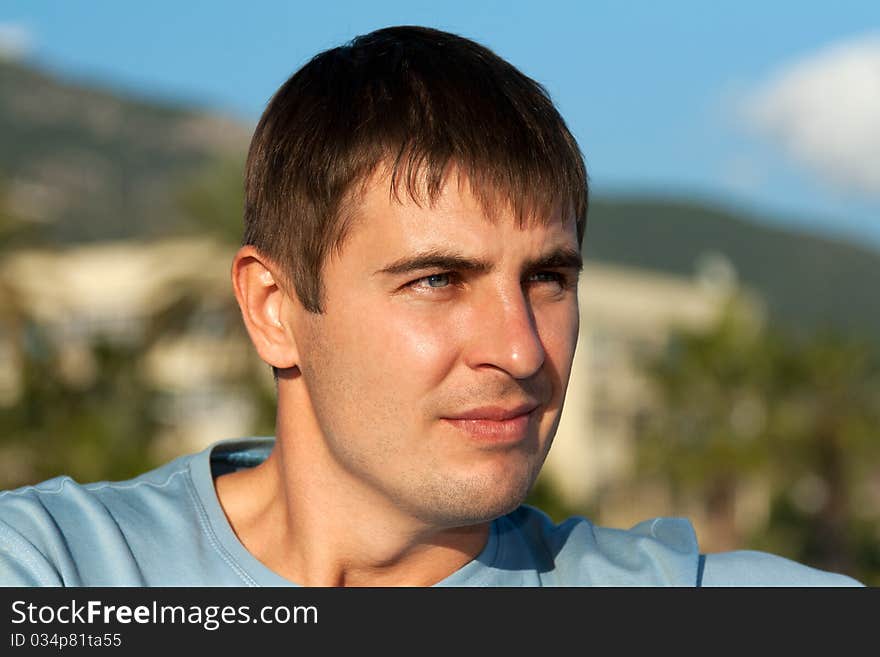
436, 280
444, 280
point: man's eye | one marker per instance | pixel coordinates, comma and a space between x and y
548, 277
434, 281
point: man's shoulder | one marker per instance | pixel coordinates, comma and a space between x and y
64, 495
754, 568
66, 498
656, 552
52, 532
577, 552
164, 527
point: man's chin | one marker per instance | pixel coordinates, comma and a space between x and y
472, 505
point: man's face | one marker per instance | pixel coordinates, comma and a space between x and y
437, 372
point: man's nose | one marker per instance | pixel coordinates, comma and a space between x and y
504, 335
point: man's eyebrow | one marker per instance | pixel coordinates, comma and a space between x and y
435, 259
561, 258
449, 260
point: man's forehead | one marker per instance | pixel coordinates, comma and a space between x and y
392, 231
457, 196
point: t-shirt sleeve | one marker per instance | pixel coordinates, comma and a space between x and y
31, 541
752, 568
21, 563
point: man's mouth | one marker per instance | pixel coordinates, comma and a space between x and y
495, 424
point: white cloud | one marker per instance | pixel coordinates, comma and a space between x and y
16, 40
824, 109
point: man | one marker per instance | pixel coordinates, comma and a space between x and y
414, 213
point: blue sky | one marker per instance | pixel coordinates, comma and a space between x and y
766, 106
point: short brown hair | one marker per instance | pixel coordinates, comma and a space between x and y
419, 101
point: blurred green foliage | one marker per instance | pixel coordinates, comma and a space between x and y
96, 427
212, 201
800, 414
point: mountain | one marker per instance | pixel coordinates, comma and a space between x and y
806, 280
91, 164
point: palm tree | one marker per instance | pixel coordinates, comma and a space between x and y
800, 414
705, 432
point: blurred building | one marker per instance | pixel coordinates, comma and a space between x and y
173, 296
627, 316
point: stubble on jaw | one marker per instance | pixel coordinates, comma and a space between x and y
450, 502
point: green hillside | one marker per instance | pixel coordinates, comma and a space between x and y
90, 164
807, 281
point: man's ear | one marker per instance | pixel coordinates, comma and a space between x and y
264, 307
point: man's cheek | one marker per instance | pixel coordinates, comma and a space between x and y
413, 346
558, 332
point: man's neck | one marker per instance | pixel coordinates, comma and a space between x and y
315, 534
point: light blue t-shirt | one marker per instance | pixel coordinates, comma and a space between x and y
167, 528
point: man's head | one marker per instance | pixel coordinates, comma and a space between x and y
417, 101
415, 210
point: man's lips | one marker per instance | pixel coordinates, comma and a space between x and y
495, 424
494, 413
